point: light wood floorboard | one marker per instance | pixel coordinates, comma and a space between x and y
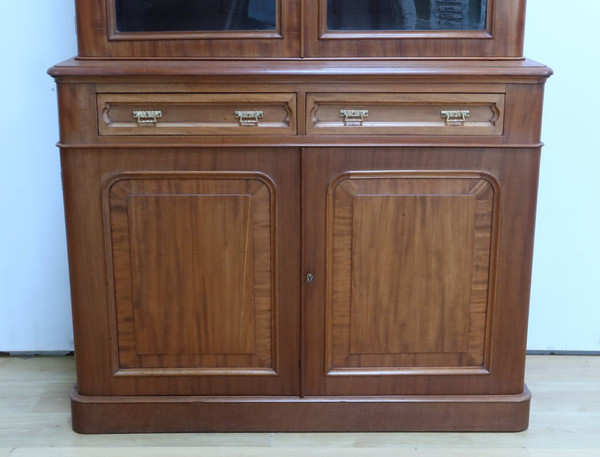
565, 422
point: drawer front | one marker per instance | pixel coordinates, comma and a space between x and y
197, 114
405, 114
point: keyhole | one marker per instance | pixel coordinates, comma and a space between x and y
309, 278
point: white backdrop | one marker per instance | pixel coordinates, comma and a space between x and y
34, 294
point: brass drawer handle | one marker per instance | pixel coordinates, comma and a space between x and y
354, 116
249, 118
455, 117
147, 117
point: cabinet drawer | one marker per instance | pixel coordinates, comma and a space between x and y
196, 114
405, 114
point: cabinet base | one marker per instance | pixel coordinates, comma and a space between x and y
150, 414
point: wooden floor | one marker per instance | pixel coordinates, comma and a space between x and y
565, 421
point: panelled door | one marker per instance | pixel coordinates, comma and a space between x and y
402, 246
201, 270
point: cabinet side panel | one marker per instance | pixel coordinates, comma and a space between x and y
524, 102
92, 26
77, 105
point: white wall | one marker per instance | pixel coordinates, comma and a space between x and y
34, 296
565, 299
34, 291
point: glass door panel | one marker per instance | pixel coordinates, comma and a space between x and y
413, 28
396, 15
195, 15
190, 29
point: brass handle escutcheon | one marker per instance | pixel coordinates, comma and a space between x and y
147, 117
455, 117
354, 116
249, 118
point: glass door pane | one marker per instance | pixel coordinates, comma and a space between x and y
396, 15
195, 15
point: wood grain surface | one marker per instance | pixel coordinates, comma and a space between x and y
402, 247
189, 253
308, 270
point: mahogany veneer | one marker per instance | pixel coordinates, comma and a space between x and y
300, 244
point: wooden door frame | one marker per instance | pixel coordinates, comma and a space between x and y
502, 38
98, 37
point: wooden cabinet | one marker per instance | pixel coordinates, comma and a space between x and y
297, 244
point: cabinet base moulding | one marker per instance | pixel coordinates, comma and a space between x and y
150, 414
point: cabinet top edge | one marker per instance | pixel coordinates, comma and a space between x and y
522, 68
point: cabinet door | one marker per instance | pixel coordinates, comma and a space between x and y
188, 28
200, 246
413, 28
404, 248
